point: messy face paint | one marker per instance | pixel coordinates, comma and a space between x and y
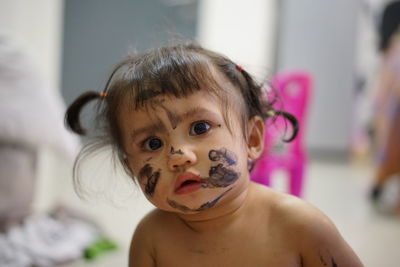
173, 151
204, 206
223, 154
151, 179
195, 139
174, 119
221, 175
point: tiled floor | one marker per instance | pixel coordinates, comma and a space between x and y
338, 189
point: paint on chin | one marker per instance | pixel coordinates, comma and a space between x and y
204, 206
151, 177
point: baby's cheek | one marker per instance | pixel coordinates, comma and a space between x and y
148, 178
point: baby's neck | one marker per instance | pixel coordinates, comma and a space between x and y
219, 217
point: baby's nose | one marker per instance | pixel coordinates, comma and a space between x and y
181, 158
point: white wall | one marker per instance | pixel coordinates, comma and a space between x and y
242, 30
39, 24
320, 36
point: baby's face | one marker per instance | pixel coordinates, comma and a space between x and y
182, 153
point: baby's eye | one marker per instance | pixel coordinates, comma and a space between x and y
152, 143
199, 127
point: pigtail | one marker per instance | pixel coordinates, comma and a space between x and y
253, 98
72, 115
292, 119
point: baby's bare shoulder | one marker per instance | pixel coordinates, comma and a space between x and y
286, 210
294, 211
311, 231
142, 250
156, 221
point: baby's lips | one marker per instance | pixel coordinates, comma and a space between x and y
186, 176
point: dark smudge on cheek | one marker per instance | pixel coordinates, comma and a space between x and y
221, 175
151, 179
223, 154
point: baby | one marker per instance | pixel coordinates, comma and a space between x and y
188, 124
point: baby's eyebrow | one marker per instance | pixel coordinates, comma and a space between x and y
193, 112
152, 128
175, 119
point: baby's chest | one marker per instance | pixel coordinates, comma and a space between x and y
223, 252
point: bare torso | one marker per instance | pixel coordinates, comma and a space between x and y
268, 229
251, 237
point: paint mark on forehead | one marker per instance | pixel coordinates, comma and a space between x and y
173, 118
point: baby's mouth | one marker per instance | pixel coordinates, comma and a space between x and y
188, 182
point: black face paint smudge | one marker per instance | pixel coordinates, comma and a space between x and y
152, 179
173, 151
145, 172
220, 176
211, 204
173, 118
151, 184
217, 155
178, 206
205, 206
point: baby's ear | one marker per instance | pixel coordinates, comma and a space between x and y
255, 135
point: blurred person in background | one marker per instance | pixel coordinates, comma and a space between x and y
386, 121
30, 119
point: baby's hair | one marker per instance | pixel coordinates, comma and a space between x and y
177, 70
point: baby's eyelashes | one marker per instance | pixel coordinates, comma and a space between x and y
152, 144
199, 127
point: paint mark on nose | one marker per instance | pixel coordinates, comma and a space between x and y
173, 151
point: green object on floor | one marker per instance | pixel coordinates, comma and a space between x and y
99, 247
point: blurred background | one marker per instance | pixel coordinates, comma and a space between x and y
73, 45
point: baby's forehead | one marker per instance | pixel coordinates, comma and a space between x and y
199, 101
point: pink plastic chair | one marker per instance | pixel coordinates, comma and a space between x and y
294, 89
